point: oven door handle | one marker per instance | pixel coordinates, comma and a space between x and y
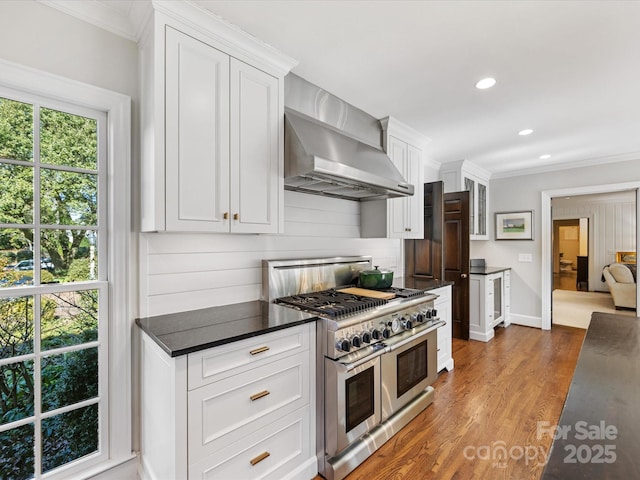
347, 367
395, 346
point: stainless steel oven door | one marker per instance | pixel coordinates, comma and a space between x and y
352, 402
407, 370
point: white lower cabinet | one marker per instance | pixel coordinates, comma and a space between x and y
273, 452
244, 410
443, 305
489, 303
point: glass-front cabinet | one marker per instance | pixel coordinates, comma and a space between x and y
466, 176
477, 208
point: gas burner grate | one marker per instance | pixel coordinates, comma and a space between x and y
331, 302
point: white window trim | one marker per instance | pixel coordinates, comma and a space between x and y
118, 109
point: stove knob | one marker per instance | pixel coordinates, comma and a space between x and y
366, 337
386, 333
344, 345
376, 334
418, 317
406, 323
355, 341
434, 313
427, 312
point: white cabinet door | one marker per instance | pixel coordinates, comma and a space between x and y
197, 135
414, 206
398, 152
254, 150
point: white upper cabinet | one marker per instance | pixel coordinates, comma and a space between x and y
212, 126
197, 135
399, 217
255, 166
466, 176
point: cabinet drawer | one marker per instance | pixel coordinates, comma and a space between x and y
221, 362
269, 454
225, 411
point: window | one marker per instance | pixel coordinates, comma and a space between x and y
64, 304
52, 326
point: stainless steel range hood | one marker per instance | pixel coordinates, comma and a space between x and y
321, 160
332, 148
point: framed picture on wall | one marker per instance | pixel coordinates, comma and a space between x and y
514, 225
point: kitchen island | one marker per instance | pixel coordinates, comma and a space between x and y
598, 435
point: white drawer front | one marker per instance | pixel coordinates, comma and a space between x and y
221, 362
225, 411
269, 454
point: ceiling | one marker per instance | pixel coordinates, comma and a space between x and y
569, 70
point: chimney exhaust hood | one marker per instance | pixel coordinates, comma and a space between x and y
323, 160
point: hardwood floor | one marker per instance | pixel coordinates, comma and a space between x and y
488, 406
565, 281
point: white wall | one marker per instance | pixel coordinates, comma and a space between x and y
190, 271
525, 193
612, 227
38, 36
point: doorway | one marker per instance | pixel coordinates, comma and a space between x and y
598, 257
570, 254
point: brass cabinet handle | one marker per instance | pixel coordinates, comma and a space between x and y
236, 216
255, 397
464, 275
259, 350
259, 458
225, 215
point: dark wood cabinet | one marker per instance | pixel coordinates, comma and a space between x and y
443, 253
423, 257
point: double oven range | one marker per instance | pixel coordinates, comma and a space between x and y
376, 358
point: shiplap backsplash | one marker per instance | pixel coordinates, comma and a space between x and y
612, 228
183, 271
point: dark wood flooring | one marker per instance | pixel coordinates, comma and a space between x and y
490, 404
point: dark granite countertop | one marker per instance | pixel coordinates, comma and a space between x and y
602, 405
419, 283
487, 270
187, 332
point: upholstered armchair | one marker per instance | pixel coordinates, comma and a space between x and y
622, 285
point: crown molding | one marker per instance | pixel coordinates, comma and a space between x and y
395, 127
231, 37
468, 167
100, 14
623, 157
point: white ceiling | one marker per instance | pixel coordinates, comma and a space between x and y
569, 70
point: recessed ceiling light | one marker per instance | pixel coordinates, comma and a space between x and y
526, 131
545, 156
486, 83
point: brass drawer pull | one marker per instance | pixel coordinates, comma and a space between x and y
225, 215
259, 350
255, 397
259, 458
236, 216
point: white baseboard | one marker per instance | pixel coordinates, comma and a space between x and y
526, 320
481, 337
